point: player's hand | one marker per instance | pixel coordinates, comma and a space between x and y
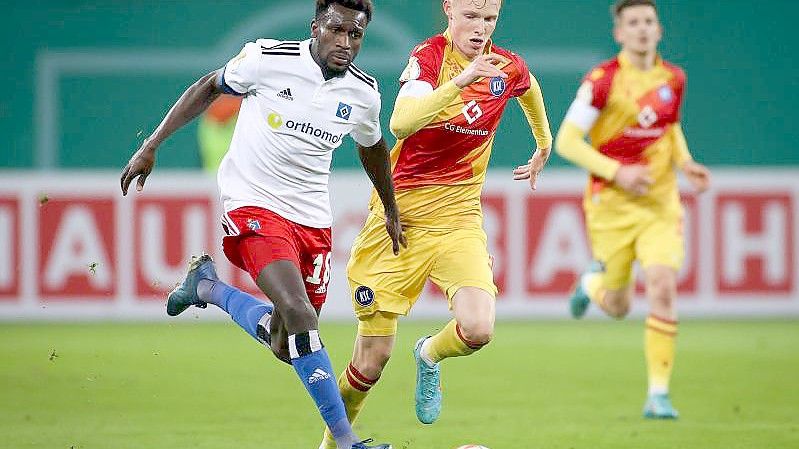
635, 178
698, 175
533, 168
140, 165
394, 229
482, 67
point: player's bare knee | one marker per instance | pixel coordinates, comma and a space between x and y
662, 296
620, 310
617, 306
299, 314
661, 290
477, 332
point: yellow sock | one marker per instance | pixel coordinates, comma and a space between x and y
659, 339
354, 388
448, 343
594, 288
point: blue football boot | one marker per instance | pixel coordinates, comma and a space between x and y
579, 300
185, 294
658, 406
362, 445
428, 387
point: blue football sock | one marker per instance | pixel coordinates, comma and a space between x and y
246, 310
312, 364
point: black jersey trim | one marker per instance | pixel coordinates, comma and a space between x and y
288, 45
280, 53
361, 72
372, 83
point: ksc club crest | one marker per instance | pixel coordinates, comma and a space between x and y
497, 86
364, 296
666, 94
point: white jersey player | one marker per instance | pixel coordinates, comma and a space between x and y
300, 101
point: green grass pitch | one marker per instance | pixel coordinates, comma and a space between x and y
554, 385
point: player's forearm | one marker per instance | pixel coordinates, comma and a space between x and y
196, 99
532, 103
414, 113
375, 160
681, 153
571, 145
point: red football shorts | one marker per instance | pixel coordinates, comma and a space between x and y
256, 237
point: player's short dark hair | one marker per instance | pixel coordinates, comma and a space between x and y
621, 5
358, 5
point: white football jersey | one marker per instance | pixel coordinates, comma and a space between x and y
291, 120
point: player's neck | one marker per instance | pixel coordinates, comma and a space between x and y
463, 54
642, 61
326, 72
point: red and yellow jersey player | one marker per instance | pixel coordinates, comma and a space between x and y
454, 91
630, 108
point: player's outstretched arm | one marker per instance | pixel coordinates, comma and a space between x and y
191, 104
418, 104
375, 160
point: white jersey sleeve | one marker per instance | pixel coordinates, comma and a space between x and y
368, 132
415, 88
241, 73
581, 112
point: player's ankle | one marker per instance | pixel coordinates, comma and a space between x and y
204, 289
345, 442
424, 354
657, 390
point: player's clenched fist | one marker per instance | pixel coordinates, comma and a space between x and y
482, 67
635, 179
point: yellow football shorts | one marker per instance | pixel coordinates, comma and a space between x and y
656, 241
385, 286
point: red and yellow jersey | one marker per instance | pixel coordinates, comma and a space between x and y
439, 170
637, 123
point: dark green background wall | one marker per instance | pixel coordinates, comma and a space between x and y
117, 66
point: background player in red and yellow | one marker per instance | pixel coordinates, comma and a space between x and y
454, 90
630, 108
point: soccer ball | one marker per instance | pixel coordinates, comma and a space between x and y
472, 446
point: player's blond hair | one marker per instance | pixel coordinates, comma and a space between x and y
479, 4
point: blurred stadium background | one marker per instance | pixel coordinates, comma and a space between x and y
86, 81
